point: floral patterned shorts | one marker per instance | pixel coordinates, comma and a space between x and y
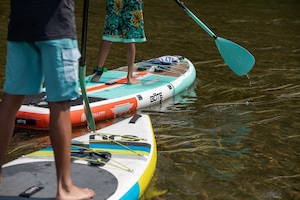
124, 21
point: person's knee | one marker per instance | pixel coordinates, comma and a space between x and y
11, 102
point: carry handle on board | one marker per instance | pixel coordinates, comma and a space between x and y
239, 60
134, 118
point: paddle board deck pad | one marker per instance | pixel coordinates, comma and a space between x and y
161, 78
117, 162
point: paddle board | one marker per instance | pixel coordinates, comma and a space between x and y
117, 162
161, 78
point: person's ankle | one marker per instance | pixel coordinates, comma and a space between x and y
97, 73
99, 70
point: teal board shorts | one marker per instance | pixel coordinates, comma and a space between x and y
124, 21
54, 63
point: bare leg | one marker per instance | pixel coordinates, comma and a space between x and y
130, 57
102, 55
103, 52
60, 135
9, 106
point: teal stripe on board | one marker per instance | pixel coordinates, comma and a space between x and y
133, 193
108, 146
47, 149
124, 89
119, 147
108, 76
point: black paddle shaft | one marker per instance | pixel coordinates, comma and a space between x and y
84, 32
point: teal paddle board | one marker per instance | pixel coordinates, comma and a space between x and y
161, 78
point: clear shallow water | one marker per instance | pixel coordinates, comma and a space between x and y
228, 137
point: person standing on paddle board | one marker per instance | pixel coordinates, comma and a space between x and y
42, 48
124, 23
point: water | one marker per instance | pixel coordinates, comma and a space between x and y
228, 137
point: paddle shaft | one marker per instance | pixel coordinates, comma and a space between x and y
82, 70
196, 19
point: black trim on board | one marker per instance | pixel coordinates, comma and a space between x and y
39, 100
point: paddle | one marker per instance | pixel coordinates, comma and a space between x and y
239, 60
82, 68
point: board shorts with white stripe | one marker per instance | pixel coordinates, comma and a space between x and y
54, 63
124, 21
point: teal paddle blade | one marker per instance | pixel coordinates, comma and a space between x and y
240, 60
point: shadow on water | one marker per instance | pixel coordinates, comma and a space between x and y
227, 137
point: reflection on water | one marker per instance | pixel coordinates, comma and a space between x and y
227, 137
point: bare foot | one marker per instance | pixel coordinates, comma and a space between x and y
132, 81
76, 193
